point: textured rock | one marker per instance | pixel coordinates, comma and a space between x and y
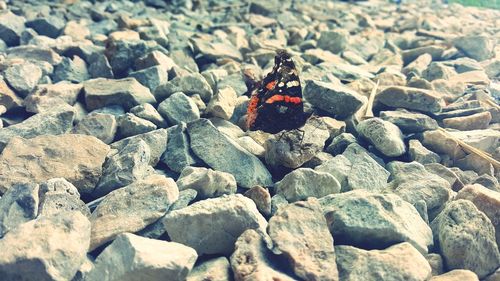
11, 27
409, 122
399, 262
373, 221
131, 125
340, 143
178, 154
411, 98
447, 174
23, 78
50, 26
190, 85
156, 141
305, 182
212, 226
334, 41
47, 96
252, 261
8, 98
126, 92
261, 197
476, 121
299, 231
131, 257
18, 205
207, 182
151, 77
420, 154
100, 125
73, 70
456, 275
478, 47
148, 112
58, 195
34, 54
204, 137
222, 103
385, 136
132, 208
178, 108
57, 156
337, 100
33, 251
213, 269
466, 238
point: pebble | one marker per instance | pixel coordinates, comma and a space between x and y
384, 135
207, 182
411, 98
303, 183
100, 125
178, 108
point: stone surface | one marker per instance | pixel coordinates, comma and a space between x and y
399, 262
131, 125
305, 182
213, 269
334, 41
409, 122
100, 125
374, 221
8, 98
456, 275
384, 135
18, 205
299, 231
50, 26
178, 108
411, 98
262, 199
58, 195
156, 141
148, 112
33, 251
57, 156
190, 85
131, 257
420, 154
466, 238
131, 208
47, 96
204, 137
23, 77
178, 154
151, 77
207, 182
476, 121
222, 103
73, 70
126, 92
478, 47
11, 27
212, 226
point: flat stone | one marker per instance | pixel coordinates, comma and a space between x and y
251, 146
100, 125
337, 100
466, 238
131, 125
34, 54
222, 103
18, 205
478, 47
248, 173
148, 112
471, 77
476, 121
132, 208
299, 232
409, 122
126, 92
47, 96
190, 85
305, 182
435, 51
156, 141
23, 78
207, 182
126, 166
438, 70
262, 199
420, 154
252, 261
216, 50
384, 135
488, 181
57, 157
212, 269
410, 98
456, 275
59, 195
178, 154
441, 143
131, 257
11, 27
50, 26
419, 65
33, 250
8, 98
212, 226
347, 213
399, 262
151, 77
178, 108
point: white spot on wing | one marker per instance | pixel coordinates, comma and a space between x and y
292, 84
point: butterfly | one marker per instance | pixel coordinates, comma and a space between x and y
276, 103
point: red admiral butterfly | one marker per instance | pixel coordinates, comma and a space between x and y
276, 104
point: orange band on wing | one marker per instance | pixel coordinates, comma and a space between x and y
271, 85
276, 98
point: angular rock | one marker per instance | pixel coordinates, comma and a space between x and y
207, 182
151, 77
11, 27
99, 67
478, 47
213, 269
212, 226
47, 96
420, 154
340, 143
249, 172
374, 221
50, 26
299, 231
410, 98
466, 238
488, 181
385, 136
58, 195
156, 140
399, 262
262, 199
409, 122
216, 50
34, 54
131, 125
365, 172
435, 51
18, 205
148, 112
178, 108
419, 65
131, 208
447, 174
34, 250
337, 100
131, 257
456, 275
190, 85
436, 263
222, 103
305, 182
126, 92
100, 125
334, 41
8, 98
476, 121
23, 77
57, 156
178, 154
73, 70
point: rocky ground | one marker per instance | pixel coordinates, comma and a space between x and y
124, 156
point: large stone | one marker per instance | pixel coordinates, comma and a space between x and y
299, 231
374, 221
205, 137
56, 156
100, 125
179, 108
50, 26
23, 77
178, 154
435, 51
409, 122
420, 154
156, 140
222, 103
148, 112
335, 99
207, 182
11, 27
476, 121
59, 195
384, 135
73, 70
466, 238
456, 275
212, 226
131, 257
478, 47
214, 269
48, 248
305, 182
18, 205
130, 125
126, 92
34, 54
151, 77
132, 208
447, 174
399, 262
191, 84
47, 96
411, 98
216, 50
